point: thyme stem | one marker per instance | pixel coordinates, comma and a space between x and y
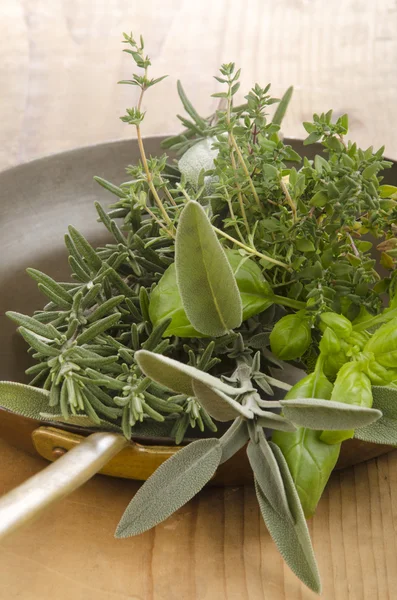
251, 250
289, 199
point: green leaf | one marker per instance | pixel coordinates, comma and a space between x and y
291, 536
37, 343
31, 402
387, 191
383, 431
198, 158
312, 138
304, 245
51, 285
291, 336
319, 199
218, 405
178, 376
85, 249
328, 414
234, 439
383, 344
165, 300
282, 106
310, 462
97, 328
371, 170
174, 483
267, 475
24, 400
188, 106
256, 294
33, 325
275, 421
205, 278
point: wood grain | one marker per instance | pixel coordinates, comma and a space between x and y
60, 61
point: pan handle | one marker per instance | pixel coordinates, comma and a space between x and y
59, 479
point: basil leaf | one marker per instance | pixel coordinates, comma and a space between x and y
310, 462
177, 376
205, 279
268, 476
234, 439
173, 484
383, 431
328, 414
291, 336
166, 302
219, 405
291, 536
256, 294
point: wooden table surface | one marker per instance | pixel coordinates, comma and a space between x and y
59, 64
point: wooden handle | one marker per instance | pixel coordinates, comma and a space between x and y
61, 478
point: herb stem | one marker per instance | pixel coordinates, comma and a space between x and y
289, 199
378, 320
233, 161
245, 169
237, 229
251, 250
146, 166
290, 302
150, 182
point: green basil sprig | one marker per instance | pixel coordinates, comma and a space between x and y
309, 460
291, 336
353, 387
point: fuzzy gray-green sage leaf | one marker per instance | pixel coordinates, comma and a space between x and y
174, 483
327, 414
205, 278
291, 536
178, 376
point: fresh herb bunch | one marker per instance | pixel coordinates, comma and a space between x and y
221, 267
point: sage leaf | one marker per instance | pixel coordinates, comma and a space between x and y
198, 158
24, 400
174, 483
267, 474
205, 278
80, 421
383, 431
275, 421
177, 376
328, 414
218, 405
31, 402
291, 536
234, 439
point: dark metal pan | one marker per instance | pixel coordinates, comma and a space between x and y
38, 201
